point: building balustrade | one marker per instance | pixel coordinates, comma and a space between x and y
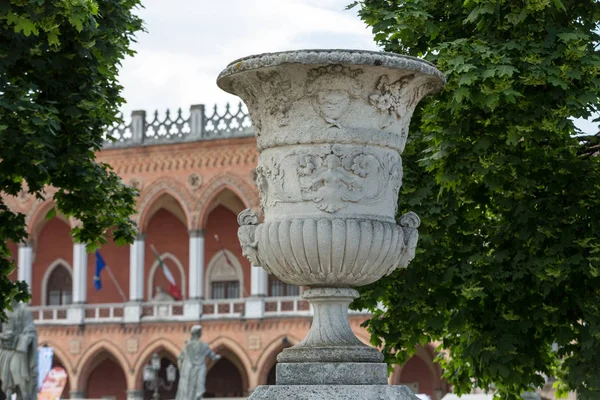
175, 128
75, 314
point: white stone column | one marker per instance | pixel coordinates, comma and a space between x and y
259, 281
25, 262
255, 304
136, 269
133, 309
196, 271
76, 313
79, 273
192, 308
135, 394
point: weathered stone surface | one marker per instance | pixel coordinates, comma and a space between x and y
330, 338
18, 353
333, 392
338, 96
332, 374
330, 127
192, 366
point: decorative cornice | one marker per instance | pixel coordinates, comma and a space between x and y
162, 159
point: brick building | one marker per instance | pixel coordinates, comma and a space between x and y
195, 174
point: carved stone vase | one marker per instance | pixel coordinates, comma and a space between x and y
330, 126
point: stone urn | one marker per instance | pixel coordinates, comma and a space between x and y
330, 126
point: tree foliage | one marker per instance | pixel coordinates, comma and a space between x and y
509, 253
58, 91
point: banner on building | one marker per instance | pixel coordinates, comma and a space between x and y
53, 384
45, 358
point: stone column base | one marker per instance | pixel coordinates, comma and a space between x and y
332, 392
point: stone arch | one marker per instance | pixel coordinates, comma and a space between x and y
230, 346
268, 358
156, 346
233, 352
89, 360
426, 355
55, 264
154, 267
12, 203
63, 357
213, 271
156, 192
227, 181
36, 218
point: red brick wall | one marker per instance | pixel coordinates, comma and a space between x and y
107, 379
169, 235
416, 370
53, 242
223, 222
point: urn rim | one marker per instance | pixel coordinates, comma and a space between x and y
326, 57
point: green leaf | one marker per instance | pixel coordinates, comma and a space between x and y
460, 94
559, 4
51, 213
22, 24
506, 70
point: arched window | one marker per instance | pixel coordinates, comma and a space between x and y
279, 288
224, 276
59, 288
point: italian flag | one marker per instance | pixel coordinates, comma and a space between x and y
173, 289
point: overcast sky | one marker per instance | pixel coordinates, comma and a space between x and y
188, 42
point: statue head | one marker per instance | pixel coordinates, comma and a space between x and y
196, 332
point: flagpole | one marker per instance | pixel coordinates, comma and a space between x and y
177, 295
116, 283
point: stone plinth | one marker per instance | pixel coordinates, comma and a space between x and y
333, 392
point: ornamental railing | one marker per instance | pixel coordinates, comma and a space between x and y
174, 127
189, 310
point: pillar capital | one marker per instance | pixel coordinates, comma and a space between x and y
196, 233
135, 394
25, 243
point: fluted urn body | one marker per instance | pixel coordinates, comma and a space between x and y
330, 126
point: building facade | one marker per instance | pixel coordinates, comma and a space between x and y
194, 174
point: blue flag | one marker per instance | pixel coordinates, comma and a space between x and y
100, 264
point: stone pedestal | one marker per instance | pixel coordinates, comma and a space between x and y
330, 338
332, 392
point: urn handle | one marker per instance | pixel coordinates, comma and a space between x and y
409, 223
248, 221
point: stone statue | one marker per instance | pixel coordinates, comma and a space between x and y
192, 366
161, 296
18, 354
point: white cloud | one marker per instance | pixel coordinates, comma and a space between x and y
190, 41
